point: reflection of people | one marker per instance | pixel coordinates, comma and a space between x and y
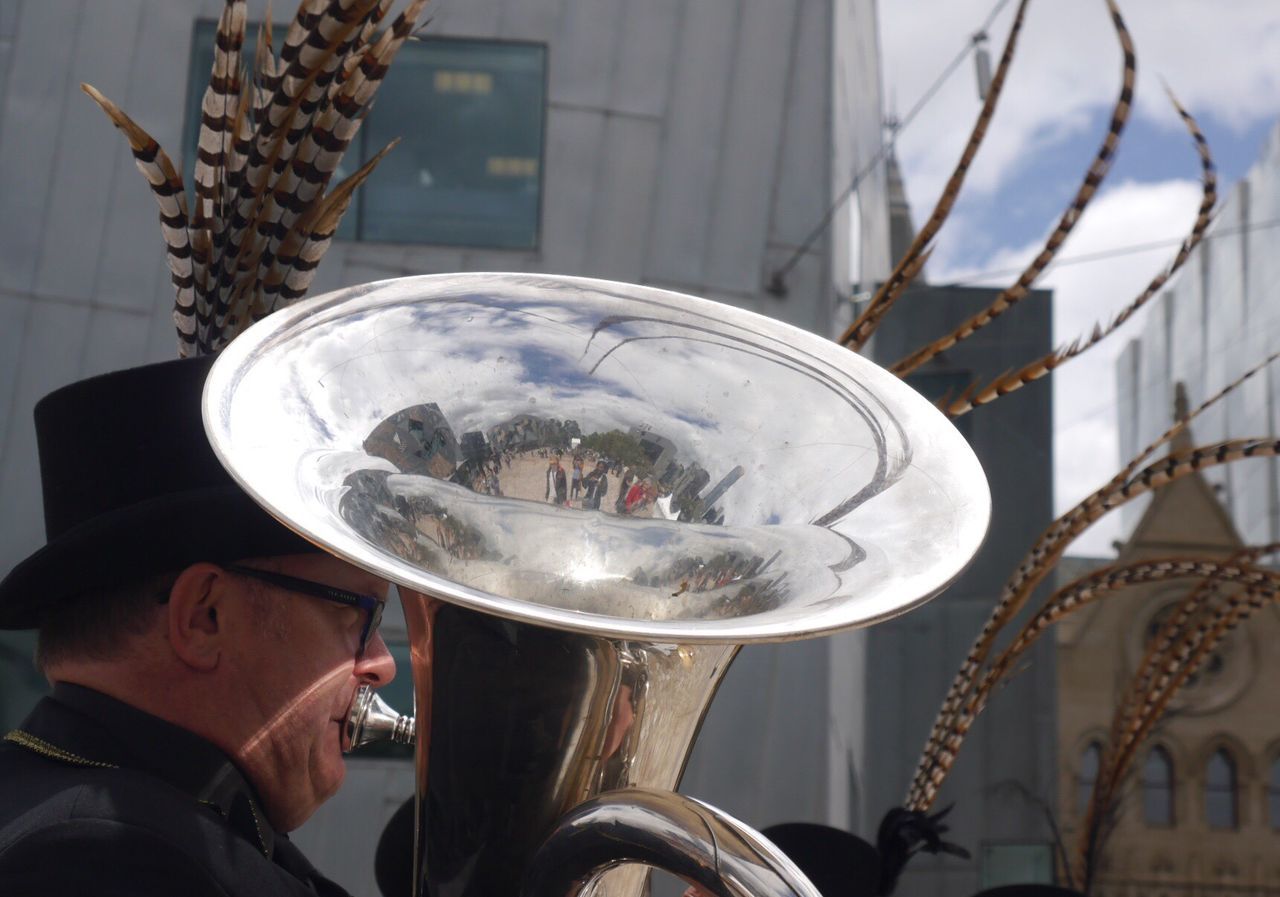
556, 484
595, 486
639, 496
628, 477
576, 486
665, 508
203, 659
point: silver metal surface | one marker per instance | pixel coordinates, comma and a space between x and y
777, 486
372, 720
518, 724
714, 850
787, 487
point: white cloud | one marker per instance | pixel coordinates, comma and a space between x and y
1222, 59
1086, 447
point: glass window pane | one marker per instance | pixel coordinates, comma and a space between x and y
1220, 801
1016, 864
468, 171
1090, 761
1157, 788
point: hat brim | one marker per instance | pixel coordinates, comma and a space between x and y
169, 532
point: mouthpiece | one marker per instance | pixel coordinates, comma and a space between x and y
372, 720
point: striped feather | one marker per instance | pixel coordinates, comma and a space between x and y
1092, 180
857, 334
321, 150
309, 66
1068, 599
219, 110
252, 197
1048, 550
1011, 382
266, 78
1184, 649
166, 186
302, 248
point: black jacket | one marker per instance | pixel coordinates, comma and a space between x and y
97, 797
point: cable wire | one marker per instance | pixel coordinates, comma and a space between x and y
979, 278
776, 285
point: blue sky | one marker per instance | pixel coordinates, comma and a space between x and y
1037, 192
1222, 60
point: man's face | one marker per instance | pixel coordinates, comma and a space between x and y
300, 671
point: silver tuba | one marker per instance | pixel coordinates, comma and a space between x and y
590, 494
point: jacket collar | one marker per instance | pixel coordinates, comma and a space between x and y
81, 726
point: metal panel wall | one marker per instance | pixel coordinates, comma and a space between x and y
690, 144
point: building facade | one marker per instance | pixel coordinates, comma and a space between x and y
1201, 814
1216, 321
687, 144
1003, 784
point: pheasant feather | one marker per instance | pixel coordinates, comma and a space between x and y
166, 186
1011, 382
1092, 180
912, 261
262, 218
1128, 483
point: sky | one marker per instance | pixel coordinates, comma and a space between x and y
1222, 60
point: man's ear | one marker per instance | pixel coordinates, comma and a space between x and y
195, 605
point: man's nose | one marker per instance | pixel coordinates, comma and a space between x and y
376, 667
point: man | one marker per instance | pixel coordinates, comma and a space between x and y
203, 661
556, 483
596, 486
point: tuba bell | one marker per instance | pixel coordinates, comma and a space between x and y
740, 481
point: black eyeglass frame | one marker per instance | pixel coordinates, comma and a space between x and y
369, 604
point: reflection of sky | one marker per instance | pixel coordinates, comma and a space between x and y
800, 415
723, 402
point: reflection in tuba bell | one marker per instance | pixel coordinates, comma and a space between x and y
590, 495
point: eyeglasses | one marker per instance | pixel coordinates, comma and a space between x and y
369, 604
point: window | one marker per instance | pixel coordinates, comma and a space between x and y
1273, 795
468, 171
1015, 864
1090, 761
1157, 788
1221, 803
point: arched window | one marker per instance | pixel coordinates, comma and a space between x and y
1157, 788
1273, 794
1090, 761
1221, 803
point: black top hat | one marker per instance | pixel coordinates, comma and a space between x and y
131, 489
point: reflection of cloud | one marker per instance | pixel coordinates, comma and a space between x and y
712, 408
804, 429
1222, 59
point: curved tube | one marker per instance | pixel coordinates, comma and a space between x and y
690, 839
